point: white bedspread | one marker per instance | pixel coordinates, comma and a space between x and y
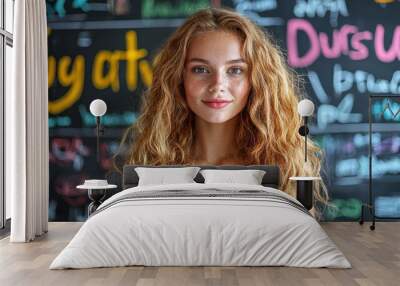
177, 231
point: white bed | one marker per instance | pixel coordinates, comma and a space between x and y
201, 224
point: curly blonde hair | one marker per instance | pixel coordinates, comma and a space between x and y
268, 128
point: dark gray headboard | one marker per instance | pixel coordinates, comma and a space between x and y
271, 178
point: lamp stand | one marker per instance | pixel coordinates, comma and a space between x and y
303, 131
305, 137
99, 132
98, 138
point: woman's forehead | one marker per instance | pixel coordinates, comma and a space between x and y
215, 46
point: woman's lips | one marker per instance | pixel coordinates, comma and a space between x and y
217, 104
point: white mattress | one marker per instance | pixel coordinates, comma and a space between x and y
183, 231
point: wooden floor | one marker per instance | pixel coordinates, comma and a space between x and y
374, 255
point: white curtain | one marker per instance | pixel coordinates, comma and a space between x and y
27, 125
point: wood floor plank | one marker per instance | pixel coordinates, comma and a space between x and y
374, 255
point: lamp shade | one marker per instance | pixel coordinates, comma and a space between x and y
305, 108
98, 107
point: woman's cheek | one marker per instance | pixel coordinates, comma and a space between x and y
193, 96
241, 90
193, 87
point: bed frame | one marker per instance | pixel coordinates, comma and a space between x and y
129, 177
271, 178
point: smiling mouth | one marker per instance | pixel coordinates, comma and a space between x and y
217, 104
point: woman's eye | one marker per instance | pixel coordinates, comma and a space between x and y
199, 70
235, 70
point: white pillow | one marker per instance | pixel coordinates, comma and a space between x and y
162, 176
249, 177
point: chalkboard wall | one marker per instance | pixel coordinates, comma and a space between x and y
344, 51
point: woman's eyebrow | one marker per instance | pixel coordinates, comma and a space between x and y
228, 62
236, 61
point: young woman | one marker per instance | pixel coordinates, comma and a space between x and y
222, 94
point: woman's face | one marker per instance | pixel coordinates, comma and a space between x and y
216, 79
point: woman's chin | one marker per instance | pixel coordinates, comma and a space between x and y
216, 119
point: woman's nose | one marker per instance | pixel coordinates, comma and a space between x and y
218, 82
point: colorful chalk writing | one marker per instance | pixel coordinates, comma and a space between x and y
320, 8
337, 44
59, 121
349, 155
344, 208
71, 162
111, 119
69, 152
164, 9
70, 72
388, 206
384, 1
58, 6
359, 167
134, 58
256, 11
357, 143
342, 113
364, 82
386, 110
